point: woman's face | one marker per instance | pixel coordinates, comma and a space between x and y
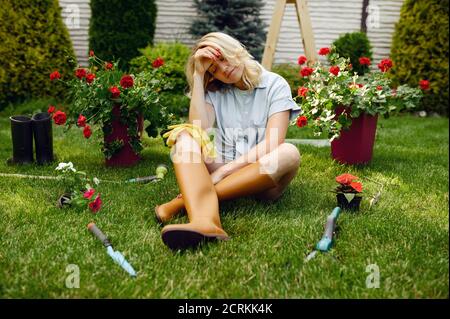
223, 71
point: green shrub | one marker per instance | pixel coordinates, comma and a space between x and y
420, 50
34, 43
354, 46
119, 28
175, 56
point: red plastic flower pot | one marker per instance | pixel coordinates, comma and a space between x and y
355, 145
126, 156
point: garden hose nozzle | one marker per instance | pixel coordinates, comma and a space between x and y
161, 171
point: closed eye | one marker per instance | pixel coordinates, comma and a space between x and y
212, 69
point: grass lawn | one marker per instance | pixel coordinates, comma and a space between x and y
405, 234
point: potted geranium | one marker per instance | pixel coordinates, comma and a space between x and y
118, 103
348, 193
78, 190
337, 101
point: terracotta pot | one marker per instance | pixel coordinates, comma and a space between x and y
126, 156
355, 145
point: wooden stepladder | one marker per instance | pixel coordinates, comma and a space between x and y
274, 30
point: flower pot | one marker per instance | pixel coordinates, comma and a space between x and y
345, 204
126, 156
64, 200
355, 145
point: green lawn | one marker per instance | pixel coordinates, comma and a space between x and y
405, 234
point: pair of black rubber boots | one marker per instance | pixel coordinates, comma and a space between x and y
23, 129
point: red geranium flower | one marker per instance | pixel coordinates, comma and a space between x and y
51, 109
424, 84
80, 73
81, 122
379, 87
301, 59
345, 179
89, 193
334, 70
302, 121
126, 81
108, 65
87, 131
91, 53
55, 75
306, 71
59, 117
356, 186
90, 78
385, 65
96, 204
324, 51
302, 91
115, 92
364, 61
158, 62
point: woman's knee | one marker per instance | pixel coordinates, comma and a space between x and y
290, 155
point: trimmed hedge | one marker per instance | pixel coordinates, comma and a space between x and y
420, 49
119, 28
354, 46
34, 43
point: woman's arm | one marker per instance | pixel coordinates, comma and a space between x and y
199, 110
276, 130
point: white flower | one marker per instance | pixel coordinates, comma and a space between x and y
65, 167
96, 181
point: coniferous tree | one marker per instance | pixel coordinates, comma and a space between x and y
419, 50
237, 18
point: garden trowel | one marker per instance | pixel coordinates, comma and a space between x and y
115, 255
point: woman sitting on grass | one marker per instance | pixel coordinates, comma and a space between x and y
251, 109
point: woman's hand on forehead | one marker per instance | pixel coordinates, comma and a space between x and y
206, 56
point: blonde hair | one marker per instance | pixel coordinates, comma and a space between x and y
234, 52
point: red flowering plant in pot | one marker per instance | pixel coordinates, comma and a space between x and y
117, 103
348, 193
345, 106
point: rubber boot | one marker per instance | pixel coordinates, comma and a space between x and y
22, 140
246, 181
201, 203
43, 137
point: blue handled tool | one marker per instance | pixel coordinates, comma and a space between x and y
115, 255
326, 242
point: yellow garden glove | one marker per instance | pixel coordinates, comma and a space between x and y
197, 133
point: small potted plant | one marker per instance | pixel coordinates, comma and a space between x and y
337, 101
118, 103
348, 193
78, 191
